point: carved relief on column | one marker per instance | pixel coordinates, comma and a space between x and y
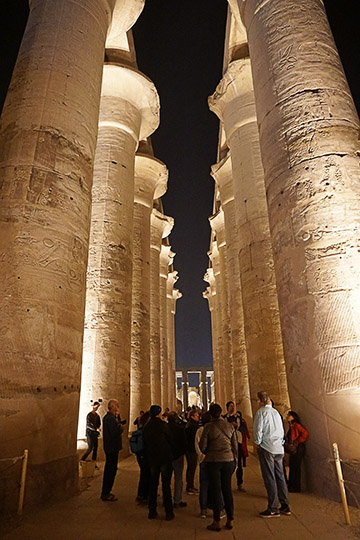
172, 295
47, 146
160, 227
234, 103
166, 258
209, 294
218, 227
150, 183
222, 173
129, 111
310, 148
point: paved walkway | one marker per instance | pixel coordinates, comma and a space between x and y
86, 517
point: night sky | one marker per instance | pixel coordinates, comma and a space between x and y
179, 46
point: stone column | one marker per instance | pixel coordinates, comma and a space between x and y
214, 309
222, 173
203, 391
221, 278
309, 142
150, 183
129, 112
160, 227
47, 146
166, 258
171, 298
234, 103
185, 388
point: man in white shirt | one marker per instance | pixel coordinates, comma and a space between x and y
268, 437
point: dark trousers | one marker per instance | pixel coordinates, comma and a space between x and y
192, 459
294, 483
165, 470
109, 472
272, 470
239, 470
92, 441
144, 480
220, 473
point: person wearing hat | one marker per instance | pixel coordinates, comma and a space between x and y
93, 424
158, 445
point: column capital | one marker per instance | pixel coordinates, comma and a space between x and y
209, 277
172, 277
166, 258
124, 17
161, 227
132, 86
217, 223
222, 174
151, 177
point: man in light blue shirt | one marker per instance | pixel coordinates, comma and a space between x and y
268, 437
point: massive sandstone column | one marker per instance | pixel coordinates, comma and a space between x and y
234, 103
47, 146
310, 149
222, 173
172, 295
150, 183
160, 227
166, 258
210, 295
129, 112
222, 285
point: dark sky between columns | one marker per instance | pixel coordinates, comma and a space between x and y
179, 46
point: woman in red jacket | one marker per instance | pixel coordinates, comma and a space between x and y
297, 435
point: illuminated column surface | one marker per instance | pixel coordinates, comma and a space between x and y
218, 226
172, 295
310, 149
150, 183
166, 258
222, 173
234, 103
210, 295
129, 112
47, 146
160, 227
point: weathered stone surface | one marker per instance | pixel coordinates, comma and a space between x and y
48, 138
310, 149
129, 111
210, 295
160, 227
234, 102
166, 258
172, 296
222, 173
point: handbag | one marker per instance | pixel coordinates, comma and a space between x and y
290, 447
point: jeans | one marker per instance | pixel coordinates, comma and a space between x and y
272, 471
178, 467
165, 470
220, 473
192, 459
239, 470
144, 480
109, 473
92, 442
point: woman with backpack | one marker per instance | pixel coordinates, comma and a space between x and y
138, 448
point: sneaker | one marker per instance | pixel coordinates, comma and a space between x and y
240, 488
229, 524
152, 515
170, 516
108, 498
181, 504
190, 491
203, 514
215, 526
269, 514
222, 513
284, 509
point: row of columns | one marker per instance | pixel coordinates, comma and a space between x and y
80, 260
287, 196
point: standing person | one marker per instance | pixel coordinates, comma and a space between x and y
143, 462
219, 444
204, 479
191, 456
112, 442
245, 435
234, 419
177, 430
158, 445
268, 437
93, 424
296, 437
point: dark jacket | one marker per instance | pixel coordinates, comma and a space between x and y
112, 431
190, 432
178, 439
219, 441
158, 442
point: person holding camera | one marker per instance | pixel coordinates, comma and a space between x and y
93, 424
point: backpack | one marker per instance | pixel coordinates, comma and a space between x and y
137, 441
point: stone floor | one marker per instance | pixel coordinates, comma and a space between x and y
86, 517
